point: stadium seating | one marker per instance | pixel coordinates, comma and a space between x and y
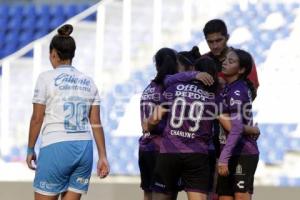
24, 23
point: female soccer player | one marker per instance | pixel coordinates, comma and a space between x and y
66, 102
166, 63
203, 65
184, 145
239, 156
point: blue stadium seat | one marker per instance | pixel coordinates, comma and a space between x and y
11, 48
25, 38
15, 10
55, 22
82, 7
28, 23
70, 10
15, 23
29, 54
57, 11
91, 17
29, 11
43, 10
40, 33
3, 24
4, 10
12, 37
2, 55
42, 23
2, 39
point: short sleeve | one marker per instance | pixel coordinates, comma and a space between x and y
40, 91
95, 95
96, 100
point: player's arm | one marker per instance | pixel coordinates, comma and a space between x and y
102, 166
204, 77
36, 122
224, 120
150, 123
234, 102
233, 137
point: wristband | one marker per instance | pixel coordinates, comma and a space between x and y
30, 150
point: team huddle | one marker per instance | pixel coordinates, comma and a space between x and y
196, 115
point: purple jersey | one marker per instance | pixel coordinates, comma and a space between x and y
180, 77
187, 77
236, 101
189, 120
151, 97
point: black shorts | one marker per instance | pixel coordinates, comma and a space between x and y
212, 169
147, 161
190, 168
241, 176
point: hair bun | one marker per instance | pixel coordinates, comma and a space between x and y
65, 30
196, 52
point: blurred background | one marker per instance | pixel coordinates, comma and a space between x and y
116, 40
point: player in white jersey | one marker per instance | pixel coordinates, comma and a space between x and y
66, 102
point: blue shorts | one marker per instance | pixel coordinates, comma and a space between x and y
64, 166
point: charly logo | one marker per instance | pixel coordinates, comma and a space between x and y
82, 181
66, 78
241, 185
237, 93
42, 184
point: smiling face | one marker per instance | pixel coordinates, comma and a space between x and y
217, 43
231, 67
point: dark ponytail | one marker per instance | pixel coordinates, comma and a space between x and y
246, 62
184, 61
191, 55
252, 89
63, 43
166, 64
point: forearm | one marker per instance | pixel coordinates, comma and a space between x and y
232, 139
225, 122
34, 130
151, 122
180, 77
99, 140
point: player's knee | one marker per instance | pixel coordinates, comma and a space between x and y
242, 196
